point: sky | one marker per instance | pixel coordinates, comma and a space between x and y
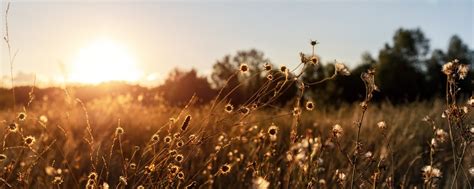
157, 36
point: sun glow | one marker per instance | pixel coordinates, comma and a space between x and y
102, 61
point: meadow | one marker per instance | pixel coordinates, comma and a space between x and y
120, 142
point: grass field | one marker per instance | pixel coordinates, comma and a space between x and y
119, 143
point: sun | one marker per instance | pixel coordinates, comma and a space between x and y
101, 61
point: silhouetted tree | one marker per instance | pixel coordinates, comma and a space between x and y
180, 86
399, 73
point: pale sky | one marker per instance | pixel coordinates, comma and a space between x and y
161, 35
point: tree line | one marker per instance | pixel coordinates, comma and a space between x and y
406, 70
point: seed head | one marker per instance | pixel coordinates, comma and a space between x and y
337, 131
430, 172
309, 105
13, 127
3, 157
29, 140
43, 119
229, 108
133, 166
119, 131
155, 138
92, 176
463, 69
225, 169
180, 175
57, 180
21, 116
381, 125
179, 158
273, 130
180, 144
244, 68
342, 69
267, 67
167, 139
244, 110
314, 60
270, 77
441, 135
283, 69
448, 68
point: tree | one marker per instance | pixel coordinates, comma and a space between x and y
399, 71
180, 86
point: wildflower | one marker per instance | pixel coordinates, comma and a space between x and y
441, 135
309, 105
272, 130
167, 139
342, 69
21, 116
260, 183
244, 68
430, 172
340, 176
105, 185
90, 184
172, 120
369, 81
186, 122
92, 176
50, 170
181, 175
43, 119
57, 180
368, 155
225, 169
119, 131
13, 127
270, 77
173, 169
179, 144
470, 102
244, 110
462, 70
3, 157
179, 158
313, 43
381, 125
283, 69
123, 180
133, 166
267, 67
155, 138
29, 140
296, 111
229, 108
314, 60
448, 68
337, 131
471, 171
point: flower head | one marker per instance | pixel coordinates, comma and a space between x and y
22, 116
29, 140
229, 108
337, 131
244, 68
309, 105
342, 69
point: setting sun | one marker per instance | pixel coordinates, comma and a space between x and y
101, 61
